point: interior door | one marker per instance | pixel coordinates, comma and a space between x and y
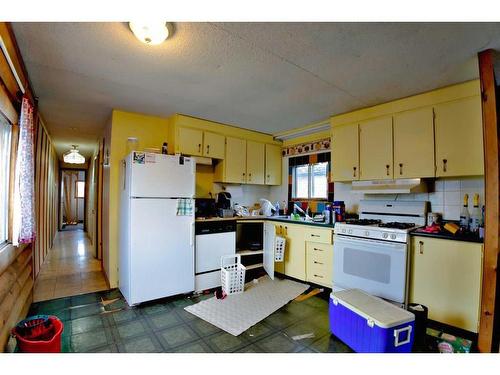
269, 237
161, 248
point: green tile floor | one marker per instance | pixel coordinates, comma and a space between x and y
164, 326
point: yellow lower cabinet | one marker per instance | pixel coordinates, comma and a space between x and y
295, 253
319, 263
446, 277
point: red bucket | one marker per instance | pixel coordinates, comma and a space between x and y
39, 334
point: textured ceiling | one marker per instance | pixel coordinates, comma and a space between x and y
263, 76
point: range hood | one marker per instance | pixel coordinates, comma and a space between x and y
399, 186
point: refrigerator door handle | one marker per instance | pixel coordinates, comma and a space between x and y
124, 163
192, 235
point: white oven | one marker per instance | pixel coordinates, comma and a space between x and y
376, 266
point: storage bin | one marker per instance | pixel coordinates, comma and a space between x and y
232, 274
279, 249
369, 324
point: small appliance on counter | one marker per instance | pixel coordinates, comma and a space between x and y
223, 204
205, 207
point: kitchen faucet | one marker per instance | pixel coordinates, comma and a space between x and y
295, 206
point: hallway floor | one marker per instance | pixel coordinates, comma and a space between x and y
70, 268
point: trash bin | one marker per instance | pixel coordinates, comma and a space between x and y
420, 312
39, 334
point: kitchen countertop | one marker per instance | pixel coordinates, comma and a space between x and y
445, 235
272, 218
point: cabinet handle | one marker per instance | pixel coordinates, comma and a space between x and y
400, 168
387, 169
286, 231
421, 247
199, 147
315, 235
445, 161
208, 149
353, 171
243, 178
318, 276
316, 249
249, 177
317, 262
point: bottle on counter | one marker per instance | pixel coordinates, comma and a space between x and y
464, 214
327, 214
476, 215
164, 148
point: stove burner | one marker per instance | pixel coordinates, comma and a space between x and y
397, 225
362, 221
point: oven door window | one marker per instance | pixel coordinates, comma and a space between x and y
367, 265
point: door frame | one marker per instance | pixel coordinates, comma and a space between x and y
491, 141
59, 205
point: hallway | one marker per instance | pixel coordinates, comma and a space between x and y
70, 268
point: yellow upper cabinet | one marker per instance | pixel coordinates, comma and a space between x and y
414, 143
233, 168
189, 141
459, 138
446, 277
255, 162
375, 149
213, 145
345, 153
273, 165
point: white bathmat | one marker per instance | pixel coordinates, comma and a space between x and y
236, 313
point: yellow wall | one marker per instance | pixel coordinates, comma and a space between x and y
151, 132
204, 181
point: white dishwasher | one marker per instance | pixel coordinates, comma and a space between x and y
213, 240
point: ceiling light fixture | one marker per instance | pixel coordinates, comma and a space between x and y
73, 156
152, 32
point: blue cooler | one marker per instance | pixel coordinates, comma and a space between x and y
369, 324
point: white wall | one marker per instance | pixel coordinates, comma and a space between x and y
245, 195
445, 197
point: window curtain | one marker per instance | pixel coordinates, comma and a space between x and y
23, 226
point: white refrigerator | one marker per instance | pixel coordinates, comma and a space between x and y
156, 243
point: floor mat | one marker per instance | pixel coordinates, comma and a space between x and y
236, 313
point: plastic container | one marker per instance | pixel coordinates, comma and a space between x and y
279, 249
39, 334
232, 274
369, 324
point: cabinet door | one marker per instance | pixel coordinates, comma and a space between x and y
213, 145
446, 277
375, 149
190, 141
279, 231
255, 162
459, 138
345, 153
295, 251
269, 237
273, 164
414, 144
235, 160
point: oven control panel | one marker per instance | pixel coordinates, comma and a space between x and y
371, 232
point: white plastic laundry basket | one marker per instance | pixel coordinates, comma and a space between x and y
279, 249
232, 274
